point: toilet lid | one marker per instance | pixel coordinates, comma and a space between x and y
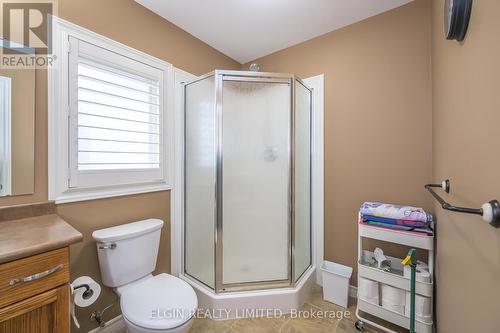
161, 302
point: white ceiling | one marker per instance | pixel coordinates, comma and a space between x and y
249, 29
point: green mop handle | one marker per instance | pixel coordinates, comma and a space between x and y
411, 260
412, 298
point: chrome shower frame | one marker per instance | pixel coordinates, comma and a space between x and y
250, 76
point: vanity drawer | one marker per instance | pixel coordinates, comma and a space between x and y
30, 276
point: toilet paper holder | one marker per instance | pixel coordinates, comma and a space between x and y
88, 291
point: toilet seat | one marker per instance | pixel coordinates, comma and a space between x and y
161, 302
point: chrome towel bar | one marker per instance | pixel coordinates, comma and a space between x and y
490, 211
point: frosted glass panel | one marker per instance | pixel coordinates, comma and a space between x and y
200, 181
302, 179
256, 126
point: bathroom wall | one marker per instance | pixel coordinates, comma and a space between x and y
466, 114
133, 25
378, 136
377, 115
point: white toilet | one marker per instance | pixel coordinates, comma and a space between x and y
150, 304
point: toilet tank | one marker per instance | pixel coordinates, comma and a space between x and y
128, 252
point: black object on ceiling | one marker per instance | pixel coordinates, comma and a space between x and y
456, 18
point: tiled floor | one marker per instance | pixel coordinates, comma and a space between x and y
288, 324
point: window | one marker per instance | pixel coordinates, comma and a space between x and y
116, 139
116, 108
118, 120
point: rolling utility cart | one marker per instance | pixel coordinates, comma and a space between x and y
394, 278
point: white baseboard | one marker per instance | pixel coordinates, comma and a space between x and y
353, 291
112, 326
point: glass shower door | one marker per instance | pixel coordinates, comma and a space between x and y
302, 179
255, 188
200, 180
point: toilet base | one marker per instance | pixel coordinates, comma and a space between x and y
132, 328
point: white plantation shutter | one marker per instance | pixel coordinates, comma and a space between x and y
116, 118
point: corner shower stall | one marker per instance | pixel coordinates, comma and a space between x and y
247, 177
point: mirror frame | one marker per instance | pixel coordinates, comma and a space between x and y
21, 50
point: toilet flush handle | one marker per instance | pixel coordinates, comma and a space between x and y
111, 246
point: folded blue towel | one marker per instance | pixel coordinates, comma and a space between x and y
427, 231
400, 222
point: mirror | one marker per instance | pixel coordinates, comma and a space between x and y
17, 120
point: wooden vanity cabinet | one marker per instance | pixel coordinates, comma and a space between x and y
34, 293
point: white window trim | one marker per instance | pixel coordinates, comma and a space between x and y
177, 196
317, 83
58, 115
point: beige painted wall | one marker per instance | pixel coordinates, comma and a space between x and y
378, 135
133, 25
466, 114
88, 216
377, 115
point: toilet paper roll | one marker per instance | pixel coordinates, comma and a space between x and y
423, 307
392, 295
394, 308
422, 266
72, 307
368, 290
393, 299
422, 275
77, 294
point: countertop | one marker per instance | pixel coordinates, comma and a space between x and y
29, 236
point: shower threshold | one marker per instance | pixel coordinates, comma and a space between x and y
255, 303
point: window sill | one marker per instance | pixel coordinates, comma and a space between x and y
75, 195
